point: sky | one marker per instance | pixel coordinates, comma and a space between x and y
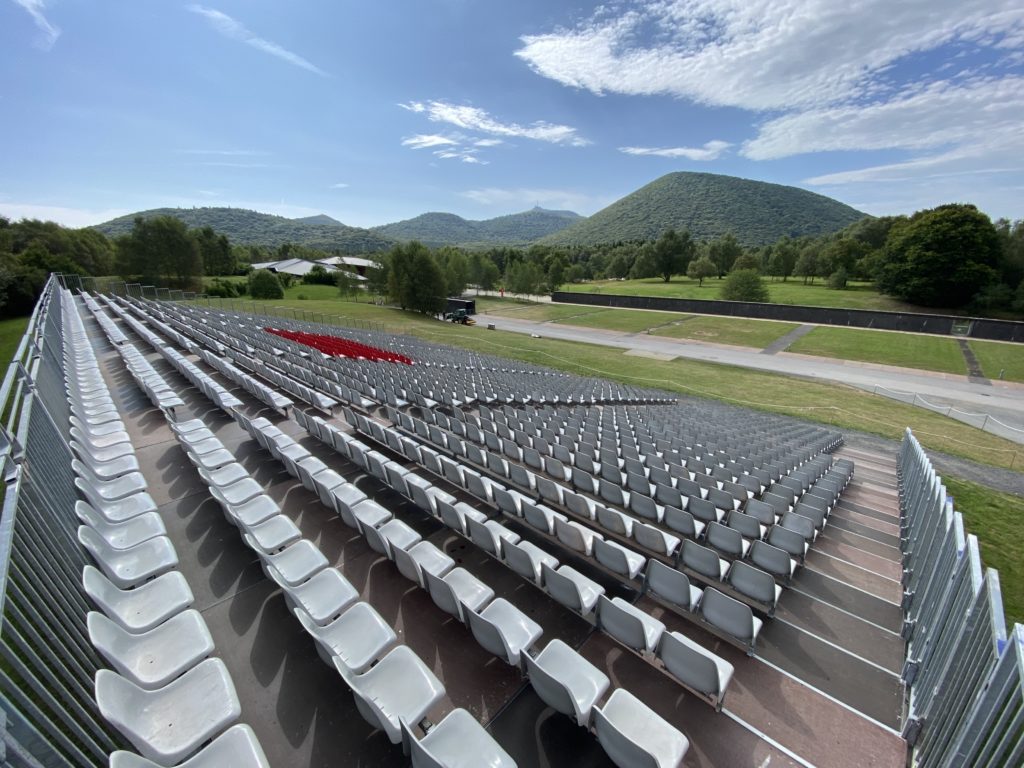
373, 112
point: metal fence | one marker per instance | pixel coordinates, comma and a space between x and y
964, 674
48, 716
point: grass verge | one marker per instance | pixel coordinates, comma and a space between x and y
999, 357
740, 332
909, 350
996, 519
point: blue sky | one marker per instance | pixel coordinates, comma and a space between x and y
377, 111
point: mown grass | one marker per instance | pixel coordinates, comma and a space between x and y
11, 331
930, 353
998, 522
1000, 357
857, 295
729, 330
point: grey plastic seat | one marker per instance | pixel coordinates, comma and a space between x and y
343, 498
251, 512
700, 670
571, 588
635, 736
772, 559
457, 591
138, 610
704, 561
237, 747
748, 526
271, 535
392, 535
754, 583
458, 741
455, 515
526, 558
704, 510
108, 467
168, 724
490, 535
683, 523
725, 539
645, 507
116, 511
730, 617
655, 539
565, 681
132, 531
399, 688
799, 524
420, 557
671, 585
323, 597
152, 659
542, 517
295, 564
628, 624
816, 514
504, 630
576, 537
614, 521
237, 493
617, 558
367, 514
355, 639
129, 567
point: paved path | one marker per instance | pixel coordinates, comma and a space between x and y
783, 343
1002, 400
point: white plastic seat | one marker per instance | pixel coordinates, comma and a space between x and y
355, 639
343, 498
576, 536
628, 624
457, 591
618, 559
634, 736
223, 476
399, 688
152, 659
571, 588
323, 597
526, 559
655, 539
700, 670
458, 741
109, 467
168, 724
542, 517
129, 567
140, 609
490, 535
236, 493
272, 535
504, 630
110, 490
420, 557
237, 747
132, 531
119, 510
368, 514
295, 564
392, 535
565, 681
251, 512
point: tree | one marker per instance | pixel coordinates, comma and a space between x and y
645, 264
523, 277
940, 257
575, 274
746, 261
318, 275
783, 258
160, 250
456, 270
700, 269
838, 279
263, 284
744, 285
556, 272
807, 264
215, 251
489, 275
348, 285
401, 274
428, 289
723, 252
672, 253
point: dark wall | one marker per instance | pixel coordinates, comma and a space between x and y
1001, 330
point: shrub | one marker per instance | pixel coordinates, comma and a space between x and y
744, 285
319, 275
838, 279
301, 297
223, 289
264, 284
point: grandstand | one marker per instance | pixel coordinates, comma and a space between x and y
238, 540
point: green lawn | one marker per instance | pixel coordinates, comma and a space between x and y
996, 519
910, 350
11, 331
996, 357
626, 320
856, 296
729, 330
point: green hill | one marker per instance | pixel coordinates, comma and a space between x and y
436, 229
253, 228
710, 205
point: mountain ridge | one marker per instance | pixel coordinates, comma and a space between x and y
438, 228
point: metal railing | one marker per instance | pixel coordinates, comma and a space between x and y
47, 664
964, 674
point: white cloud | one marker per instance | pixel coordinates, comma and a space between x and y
710, 151
487, 142
225, 152
479, 120
50, 33
425, 141
235, 30
761, 54
521, 198
339, 185
69, 217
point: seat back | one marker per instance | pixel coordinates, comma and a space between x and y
450, 516
622, 749
764, 512
752, 582
749, 527
729, 615
813, 513
667, 583
613, 520
702, 509
791, 542
654, 539
517, 559
771, 559
611, 556
488, 635
701, 559
724, 539
442, 594
615, 620
481, 536
798, 524
721, 499
689, 663
680, 521
643, 506
561, 588
550, 690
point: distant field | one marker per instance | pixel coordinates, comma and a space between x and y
11, 331
995, 357
930, 353
728, 330
856, 296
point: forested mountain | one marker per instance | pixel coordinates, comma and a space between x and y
436, 229
709, 206
253, 228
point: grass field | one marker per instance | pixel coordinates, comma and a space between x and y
11, 331
996, 357
856, 296
729, 330
930, 353
996, 519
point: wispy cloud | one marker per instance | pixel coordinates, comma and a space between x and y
339, 185
50, 33
229, 164
712, 150
69, 217
475, 119
235, 30
425, 141
225, 152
